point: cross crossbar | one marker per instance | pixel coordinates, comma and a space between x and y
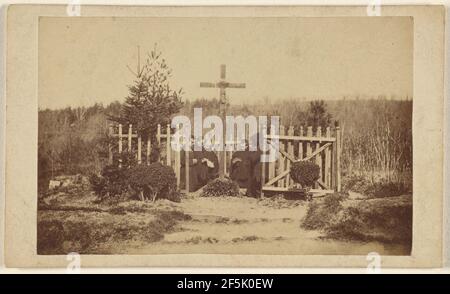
222, 84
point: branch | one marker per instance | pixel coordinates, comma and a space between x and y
132, 71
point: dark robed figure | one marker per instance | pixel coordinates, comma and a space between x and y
203, 167
246, 171
211, 163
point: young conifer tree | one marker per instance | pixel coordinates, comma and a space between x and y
151, 99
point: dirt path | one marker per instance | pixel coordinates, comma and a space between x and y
250, 226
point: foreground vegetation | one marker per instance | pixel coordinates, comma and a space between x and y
74, 219
385, 220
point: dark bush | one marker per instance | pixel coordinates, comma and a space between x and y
111, 183
125, 159
154, 180
98, 184
113, 180
305, 173
221, 187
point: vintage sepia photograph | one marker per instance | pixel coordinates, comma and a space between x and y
225, 135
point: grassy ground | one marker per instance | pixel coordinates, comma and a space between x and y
73, 220
387, 219
78, 223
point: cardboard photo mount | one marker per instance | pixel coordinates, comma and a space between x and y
22, 122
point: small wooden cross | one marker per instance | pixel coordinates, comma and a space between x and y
222, 85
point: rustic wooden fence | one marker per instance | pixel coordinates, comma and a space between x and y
167, 155
321, 146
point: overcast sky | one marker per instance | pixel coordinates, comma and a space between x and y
83, 60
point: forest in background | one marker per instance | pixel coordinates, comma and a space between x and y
377, 134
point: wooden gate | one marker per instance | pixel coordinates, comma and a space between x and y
321, 147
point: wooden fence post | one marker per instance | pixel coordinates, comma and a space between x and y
308, 143
300, 145
120, 138
338, 157
271, 163
178, 158
139, 152
130, 133
186, 169
328, 161
281, 159
291, 152
319, 156
168, 147
158, 140
263, 164
149, 149
224, 156
229, 156
110, 153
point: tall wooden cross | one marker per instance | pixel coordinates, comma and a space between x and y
222, 84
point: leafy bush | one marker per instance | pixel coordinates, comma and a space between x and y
221, 187
98, 184
321, 213
113, 180
305, 173
154, 180
125, 160
111, 183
